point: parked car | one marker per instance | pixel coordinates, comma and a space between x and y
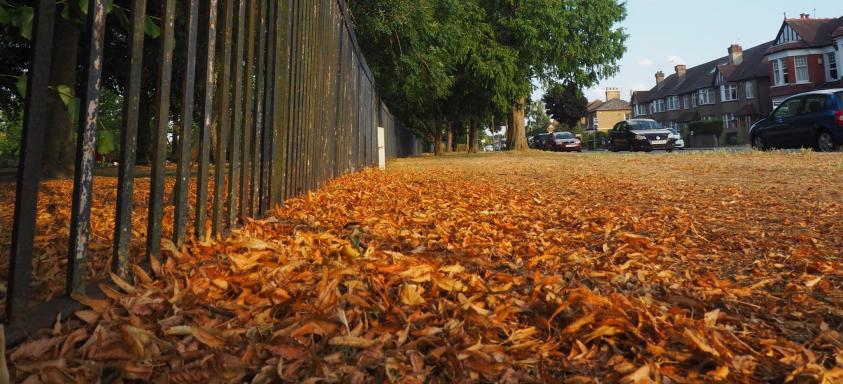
563, 142
678, 143
640, 135
540, 141
813, 119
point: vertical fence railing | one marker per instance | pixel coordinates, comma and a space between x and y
282, 101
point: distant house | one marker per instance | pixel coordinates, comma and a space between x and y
805, 56
733, 89
603, 115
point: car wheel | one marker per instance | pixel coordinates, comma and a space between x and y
612, 146
758, 143
825, 142
669, 150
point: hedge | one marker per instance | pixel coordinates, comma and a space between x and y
707, 127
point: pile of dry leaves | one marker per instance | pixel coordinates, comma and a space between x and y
506, 268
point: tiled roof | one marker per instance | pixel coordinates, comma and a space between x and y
813, 33
688, 117
754, 65
614, 105
593, 105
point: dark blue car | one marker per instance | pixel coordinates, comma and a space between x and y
811, 120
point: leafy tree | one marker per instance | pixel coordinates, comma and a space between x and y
537, 120
566, 104
575, 42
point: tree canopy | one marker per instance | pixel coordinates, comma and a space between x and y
444, 61
565, 103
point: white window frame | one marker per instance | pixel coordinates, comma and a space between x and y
686, 102
672, 103
831, 59
777, 73
706, 96
728, 119
800, 67
729, 92
750, 91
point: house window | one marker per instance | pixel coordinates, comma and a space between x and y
750, 93
729, 92
686, 102
707, 118
831, 72
801, 64
780, 71
728, 120
672, 103
706, 96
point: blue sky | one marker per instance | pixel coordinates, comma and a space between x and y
663, 33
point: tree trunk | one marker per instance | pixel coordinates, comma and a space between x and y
59, 144
518, 133
472, 138
450, 146
437, 142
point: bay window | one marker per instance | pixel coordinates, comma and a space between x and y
801, 69
729, 92
706, 96
672, 103
750, 92
831, 72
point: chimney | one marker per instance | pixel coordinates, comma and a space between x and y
659, 77
613, 93
680, 70
804, 16
735, 54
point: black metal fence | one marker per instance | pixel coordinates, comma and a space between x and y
283, 86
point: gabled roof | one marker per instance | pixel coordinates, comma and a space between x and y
614, 105
593, 105
641, 96
812, 32
754, 65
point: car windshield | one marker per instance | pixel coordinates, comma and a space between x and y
563, 135
644, 124
673, 131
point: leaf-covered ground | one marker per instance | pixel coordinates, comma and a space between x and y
558, 268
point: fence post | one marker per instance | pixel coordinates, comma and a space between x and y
29, 167
80, 215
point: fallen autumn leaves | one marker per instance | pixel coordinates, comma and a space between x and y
512, 268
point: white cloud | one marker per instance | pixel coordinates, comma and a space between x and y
675, 60
645, 63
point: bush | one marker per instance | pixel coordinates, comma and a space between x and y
587, 139
708, 127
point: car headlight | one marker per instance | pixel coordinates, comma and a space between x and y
640, 137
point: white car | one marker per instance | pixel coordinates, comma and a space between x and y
674, 134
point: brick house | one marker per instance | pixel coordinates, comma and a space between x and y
603, 115
806, 56
733, 88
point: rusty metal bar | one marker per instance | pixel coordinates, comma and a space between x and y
83, 180
186, 135
224, 122
245, 176
129, 143
269, 107
29, 168
237, 117
275, 169
281, 149
259, 124
207, 123
159, 134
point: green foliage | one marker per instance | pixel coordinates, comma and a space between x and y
10, 136
707, 127
566, 103
110, 122
588, 139
537, 120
